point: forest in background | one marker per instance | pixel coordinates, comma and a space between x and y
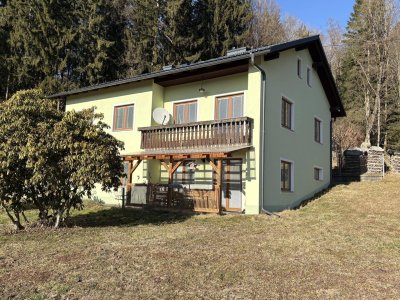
58, 45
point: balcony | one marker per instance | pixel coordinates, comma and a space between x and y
205, 135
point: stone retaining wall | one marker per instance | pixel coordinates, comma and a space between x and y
395, 160
376, 160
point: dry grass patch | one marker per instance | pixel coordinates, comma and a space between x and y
345, 244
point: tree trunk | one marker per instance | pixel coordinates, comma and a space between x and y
16, 222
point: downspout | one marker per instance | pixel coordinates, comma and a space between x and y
262, 133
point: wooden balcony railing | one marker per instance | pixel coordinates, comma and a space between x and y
206, 134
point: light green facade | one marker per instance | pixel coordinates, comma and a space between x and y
297, 146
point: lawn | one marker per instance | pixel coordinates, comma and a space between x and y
344, 244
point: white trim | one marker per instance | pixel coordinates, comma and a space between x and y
244, 92
321, 130
183, 101
134, 128
291, 174
292, 113
309, 74
321, 174
299, 76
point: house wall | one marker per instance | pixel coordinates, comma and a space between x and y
147, 95
297, 145
141, 95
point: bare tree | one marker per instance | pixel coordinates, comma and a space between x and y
333, 46
295, 29
267, 27
373, 59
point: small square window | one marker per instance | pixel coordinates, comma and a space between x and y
309, 77
123, 117
318, 174
286, 176
287, 114
317, 130
299, 68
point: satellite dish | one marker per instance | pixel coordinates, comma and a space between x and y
161, 116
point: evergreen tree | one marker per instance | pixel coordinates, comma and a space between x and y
221, 25
59, 44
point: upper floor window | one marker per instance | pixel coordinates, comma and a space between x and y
185, 112
287, 114
286, 176
317, 130
299, 68
227, 107
309, 76
123, 117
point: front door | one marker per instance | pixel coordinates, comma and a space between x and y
232, 185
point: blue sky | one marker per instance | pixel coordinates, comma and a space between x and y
316, 13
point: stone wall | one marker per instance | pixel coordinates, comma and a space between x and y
395, 161
375, 162
362, 164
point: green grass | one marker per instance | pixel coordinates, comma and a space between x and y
345, 244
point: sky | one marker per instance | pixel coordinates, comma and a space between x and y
316, 13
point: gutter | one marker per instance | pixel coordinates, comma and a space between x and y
262, 134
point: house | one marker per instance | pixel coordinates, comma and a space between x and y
249, 131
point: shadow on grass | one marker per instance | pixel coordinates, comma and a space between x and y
129, 216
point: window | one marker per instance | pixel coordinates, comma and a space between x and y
317, 130
185, 174
123, 117
318, 174
308, 76
299, 68
287, 114
124, 178
185, 112
228, 107
286, 176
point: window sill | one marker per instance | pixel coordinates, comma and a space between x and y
287, 192
121, 130
287, 128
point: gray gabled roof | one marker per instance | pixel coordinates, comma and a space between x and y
312, 43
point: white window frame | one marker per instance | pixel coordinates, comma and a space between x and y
299, 69
291, 175
293, 106
321, 130
321, 173
308, 75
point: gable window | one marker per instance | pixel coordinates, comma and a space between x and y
123, 117
299, 68
185, 112
318, 174
227, 107
286, 176
309, 76
287, 114
317, 130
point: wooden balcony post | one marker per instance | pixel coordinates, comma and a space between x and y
218, 187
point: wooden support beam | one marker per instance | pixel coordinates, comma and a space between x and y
165, 165
212, 164
170, 182
176, 166
134, 166
218, 190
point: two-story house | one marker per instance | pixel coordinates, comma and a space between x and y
248, 132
